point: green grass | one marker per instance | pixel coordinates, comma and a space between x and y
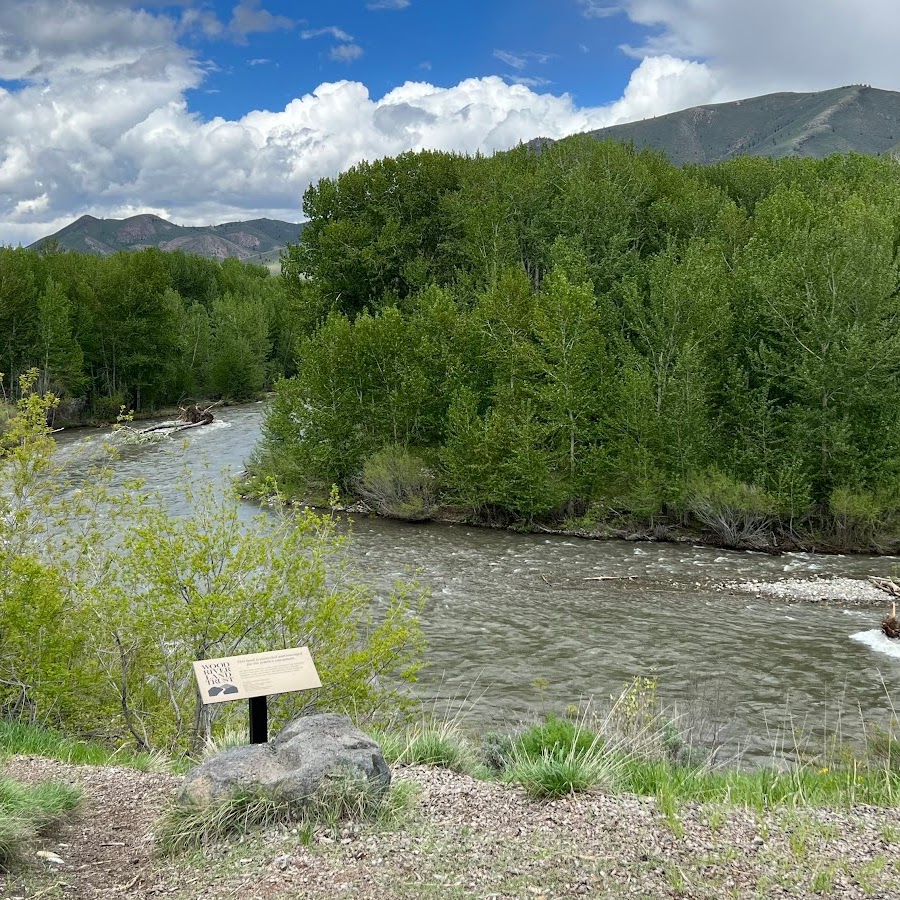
764, 788
554, 775
558, 756
27, 812
22, 739
191, 827
441, 744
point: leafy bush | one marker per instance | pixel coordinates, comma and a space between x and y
398, 484
739, 514
102, 613
855, 517
211, 585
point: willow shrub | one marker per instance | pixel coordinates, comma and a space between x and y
44, 675
106, 598
740, 515
211, 585
398, 483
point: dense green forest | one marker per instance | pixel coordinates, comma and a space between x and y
140, 330
588, 334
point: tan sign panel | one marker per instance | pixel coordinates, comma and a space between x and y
256, 675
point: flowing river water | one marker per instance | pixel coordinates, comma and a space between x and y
515, 627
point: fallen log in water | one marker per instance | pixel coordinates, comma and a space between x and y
610, 578
191, 417
890, 627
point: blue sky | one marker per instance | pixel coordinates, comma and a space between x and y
205, 111
550, 46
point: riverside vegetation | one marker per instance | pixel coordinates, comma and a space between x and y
588, 337
140, 330
610, 798
105, 600
97, 637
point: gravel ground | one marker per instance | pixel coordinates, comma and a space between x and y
848, 591
465, 838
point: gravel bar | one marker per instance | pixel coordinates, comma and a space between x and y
847, 591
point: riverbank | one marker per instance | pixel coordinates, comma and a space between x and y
148, 415
463, 838
770, 542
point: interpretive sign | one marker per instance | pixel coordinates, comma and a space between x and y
256, 675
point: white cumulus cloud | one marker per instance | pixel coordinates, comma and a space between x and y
772, 45
97, 120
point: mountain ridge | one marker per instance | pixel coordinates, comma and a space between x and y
253, 240
849, 119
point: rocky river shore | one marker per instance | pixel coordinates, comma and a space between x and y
853, 592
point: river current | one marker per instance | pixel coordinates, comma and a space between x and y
515, 626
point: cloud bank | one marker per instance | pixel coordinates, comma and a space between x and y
95, 118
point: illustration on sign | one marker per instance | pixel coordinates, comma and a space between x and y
256, 675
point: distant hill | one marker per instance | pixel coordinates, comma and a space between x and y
259, 240
855, 119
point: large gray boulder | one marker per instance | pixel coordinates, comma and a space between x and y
293, 765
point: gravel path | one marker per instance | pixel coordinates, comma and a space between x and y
848, 591
465, 838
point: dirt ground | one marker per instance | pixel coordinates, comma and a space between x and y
464, 838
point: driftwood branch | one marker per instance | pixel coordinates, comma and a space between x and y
191, 417
888, 585
610, 578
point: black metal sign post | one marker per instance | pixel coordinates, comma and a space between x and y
259, 720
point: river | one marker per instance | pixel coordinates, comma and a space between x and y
514, 627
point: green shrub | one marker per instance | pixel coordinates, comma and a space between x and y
107, 597
398, 484
739, 514
855, 517
495, 751
106, 409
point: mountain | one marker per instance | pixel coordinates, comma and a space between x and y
848, 119
259, 240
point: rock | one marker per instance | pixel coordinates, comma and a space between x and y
293, 765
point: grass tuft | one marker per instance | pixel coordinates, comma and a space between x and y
440, 744
559, 757
345, 798
27, 812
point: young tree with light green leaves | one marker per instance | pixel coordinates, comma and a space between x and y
106, 598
